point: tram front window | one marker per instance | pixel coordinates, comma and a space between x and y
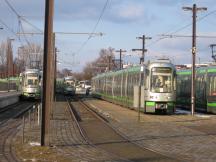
161, 80
32, 82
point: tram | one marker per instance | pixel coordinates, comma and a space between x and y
69, 85
152, 86
30, 81
205, 83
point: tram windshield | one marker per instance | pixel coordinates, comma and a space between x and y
161, 79
70, 82
31, 80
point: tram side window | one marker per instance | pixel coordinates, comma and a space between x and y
116, 89
130, 87
212, 90
137, 78
123, 83
146, 80
174, 81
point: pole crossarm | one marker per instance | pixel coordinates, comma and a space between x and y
120, 56
143, 38
62, 33
139, 50
184, 36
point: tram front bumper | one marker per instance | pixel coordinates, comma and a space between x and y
151, 106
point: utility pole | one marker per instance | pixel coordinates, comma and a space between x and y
194, 10
109, 62
120, 57
48, 51
142, 59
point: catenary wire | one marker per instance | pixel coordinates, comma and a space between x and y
98, 21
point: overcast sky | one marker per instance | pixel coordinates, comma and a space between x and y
121, 22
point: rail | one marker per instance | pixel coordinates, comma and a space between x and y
110, 139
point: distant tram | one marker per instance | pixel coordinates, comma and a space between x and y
69, 85
205, 88
30, 81
158, 86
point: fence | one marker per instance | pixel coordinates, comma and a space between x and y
31, 124
9, 85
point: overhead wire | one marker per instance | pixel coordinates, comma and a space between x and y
95, 27
20, 19
182, 28
9, 29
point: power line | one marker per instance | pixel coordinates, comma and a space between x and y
11, 7
19, 17
182, 28
30, 24
185, 36
9, 29
99, 19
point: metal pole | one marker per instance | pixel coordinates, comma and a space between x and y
8, 54
23, 131
48, 39
194, 9
109, 66
120, 59
143, 50
193, 99
29, 118
39, 107
121, 56
55, 74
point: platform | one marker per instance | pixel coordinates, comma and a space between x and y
9, 98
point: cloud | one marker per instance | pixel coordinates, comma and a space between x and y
126, 12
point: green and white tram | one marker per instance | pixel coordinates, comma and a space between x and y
69, 85
30, 81
205, 88
157, 81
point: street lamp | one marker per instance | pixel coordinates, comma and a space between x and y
194, 9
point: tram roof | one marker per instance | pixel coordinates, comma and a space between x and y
31, 71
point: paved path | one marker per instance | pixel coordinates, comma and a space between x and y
181, 135
66, 141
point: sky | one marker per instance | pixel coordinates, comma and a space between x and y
120, 21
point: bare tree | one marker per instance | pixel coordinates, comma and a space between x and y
66, 72
30, 56
3, 50
104, 62
3, 53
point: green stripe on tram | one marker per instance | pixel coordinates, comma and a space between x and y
201, 71
119, 98
211, 70
148, 103
183, 72
211, 104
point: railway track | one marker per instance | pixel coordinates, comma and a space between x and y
97, 131
10, 123
69, 142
